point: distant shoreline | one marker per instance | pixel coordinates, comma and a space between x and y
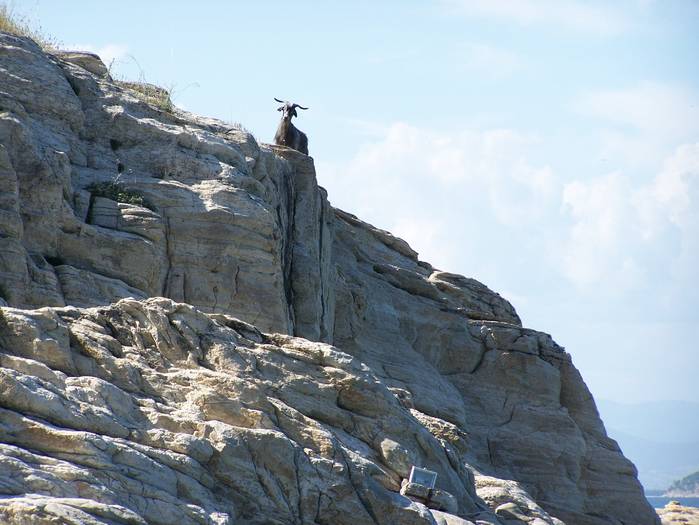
659, 502
681, 494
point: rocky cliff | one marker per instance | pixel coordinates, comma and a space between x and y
223, 346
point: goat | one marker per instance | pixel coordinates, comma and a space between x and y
287, 134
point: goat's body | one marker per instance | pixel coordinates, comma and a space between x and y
290, 136
287, 134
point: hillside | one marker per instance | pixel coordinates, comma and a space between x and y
688, 486
658, 463
191, 333
649, 435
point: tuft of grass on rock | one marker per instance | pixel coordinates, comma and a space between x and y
11, 22
150, 94
115, 191
237, 126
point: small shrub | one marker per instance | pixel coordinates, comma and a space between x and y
15, 24
115, 190
150, 94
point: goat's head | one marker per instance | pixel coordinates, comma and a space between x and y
288, 109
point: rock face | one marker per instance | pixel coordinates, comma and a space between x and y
134, 387
675, 514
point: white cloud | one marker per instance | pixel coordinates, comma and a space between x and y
430, 235
474, 201
490, 163
595, 17
643, 121
632, 236
491, 61
672, 201
648, 107
602, 221
438, 189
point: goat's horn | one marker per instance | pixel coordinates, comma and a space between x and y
300, 107
275, 98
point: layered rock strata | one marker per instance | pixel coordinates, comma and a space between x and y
362, 361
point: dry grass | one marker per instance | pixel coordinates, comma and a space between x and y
159, 97
150, 93
15, 24
237, 126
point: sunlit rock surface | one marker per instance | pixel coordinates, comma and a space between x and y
675, 514
134, 387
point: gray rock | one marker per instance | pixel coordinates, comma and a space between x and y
415, 490
86, 60
444, 518
208, 409
442, 500
511, 512
155, 409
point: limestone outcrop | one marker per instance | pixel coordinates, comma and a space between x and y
675, 514
191, 333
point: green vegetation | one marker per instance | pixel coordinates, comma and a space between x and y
115, 190
11, 22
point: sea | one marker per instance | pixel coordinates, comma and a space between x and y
659, 502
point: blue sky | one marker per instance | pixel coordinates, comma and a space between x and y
549, 148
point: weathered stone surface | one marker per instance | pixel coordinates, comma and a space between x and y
510, 501
443, 500
152, 411
443, 518
415, 490
675, 514
215, 236
89, 61
435, 498
512, 391
103, 290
